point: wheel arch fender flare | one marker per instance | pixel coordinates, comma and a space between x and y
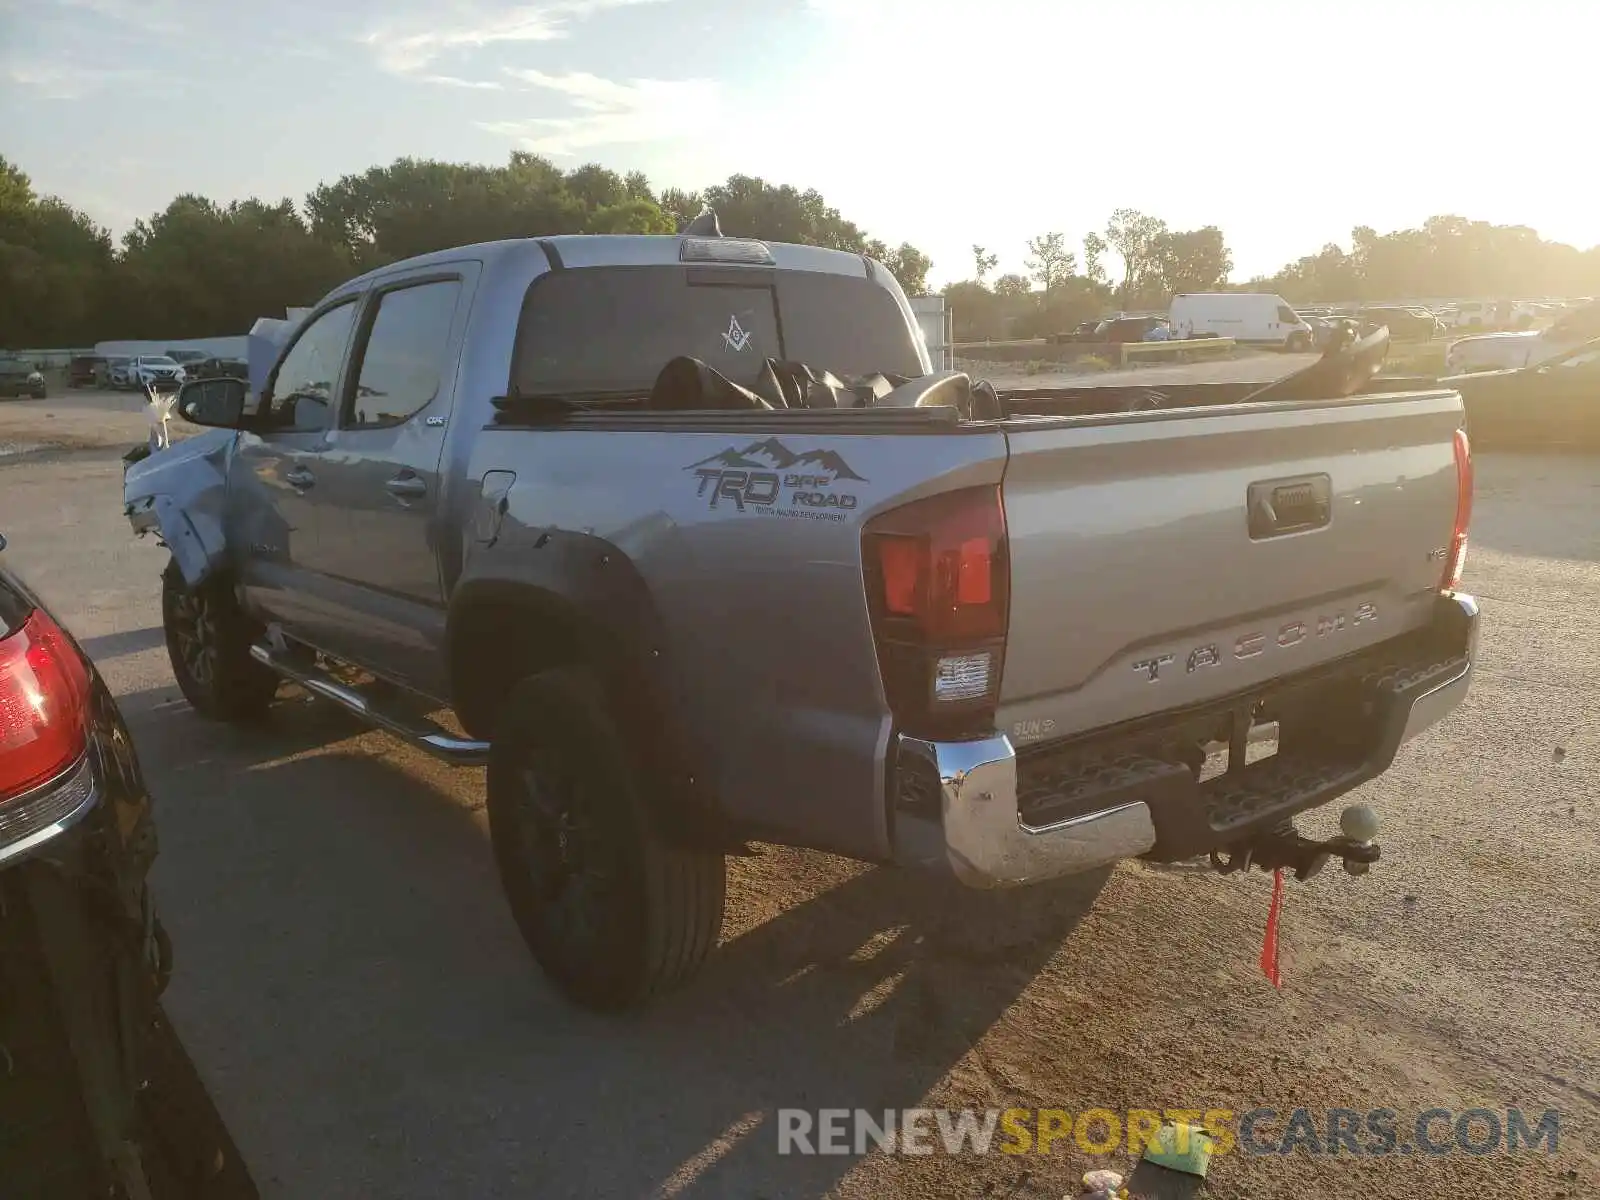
555, 598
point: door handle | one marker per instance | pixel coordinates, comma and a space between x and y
406, 486
299, 477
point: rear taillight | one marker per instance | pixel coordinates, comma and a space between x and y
1456, 558
938, 588
44, 696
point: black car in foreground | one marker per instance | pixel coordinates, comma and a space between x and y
1550, 405
97, 1097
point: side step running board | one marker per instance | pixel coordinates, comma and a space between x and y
419, 731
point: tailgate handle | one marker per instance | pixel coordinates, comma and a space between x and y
1283, 506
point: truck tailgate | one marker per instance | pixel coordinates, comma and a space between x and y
1141, 582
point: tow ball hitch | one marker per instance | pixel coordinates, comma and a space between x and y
1285, 847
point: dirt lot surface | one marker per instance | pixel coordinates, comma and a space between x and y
355, 995
77, 420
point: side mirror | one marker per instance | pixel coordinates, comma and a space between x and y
218, 403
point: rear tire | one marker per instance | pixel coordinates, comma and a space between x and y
208, 642
613, 911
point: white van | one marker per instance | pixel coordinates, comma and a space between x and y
1249, 318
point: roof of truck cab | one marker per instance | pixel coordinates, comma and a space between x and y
620, 250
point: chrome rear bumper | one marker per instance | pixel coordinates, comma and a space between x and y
978, 833
955, 805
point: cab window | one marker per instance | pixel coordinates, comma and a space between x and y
301, 397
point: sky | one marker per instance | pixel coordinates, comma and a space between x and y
931, 121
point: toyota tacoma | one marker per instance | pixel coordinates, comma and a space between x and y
681, 537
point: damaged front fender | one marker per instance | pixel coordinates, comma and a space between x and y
179, 492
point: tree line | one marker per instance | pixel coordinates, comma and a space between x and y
202, 269
199, 268
1060, 289
1447, 256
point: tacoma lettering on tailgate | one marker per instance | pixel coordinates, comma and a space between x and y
1258, 642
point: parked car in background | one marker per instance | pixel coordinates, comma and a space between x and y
1405, 324
84, 370
1475, 314
155, 370
1495, 352
1506, 351
20, 378
1575, 325
184, 357
1126, 329
1325, 328
216, 368
116, 373
1085, 332
1548, 405
1249, 318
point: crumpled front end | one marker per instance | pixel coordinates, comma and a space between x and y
178, 493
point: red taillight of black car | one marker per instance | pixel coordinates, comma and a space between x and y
939, 589
44, 698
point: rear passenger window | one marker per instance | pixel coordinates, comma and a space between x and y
403, 362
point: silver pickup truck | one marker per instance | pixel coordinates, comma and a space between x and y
698, 551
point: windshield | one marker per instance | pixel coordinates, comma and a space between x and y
157, 360
612, 329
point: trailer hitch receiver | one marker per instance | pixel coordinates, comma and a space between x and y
1284, 847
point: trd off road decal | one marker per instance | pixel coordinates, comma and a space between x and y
769, 478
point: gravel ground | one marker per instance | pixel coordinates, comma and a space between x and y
356, 997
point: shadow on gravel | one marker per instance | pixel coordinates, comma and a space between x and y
130, 641
187, 1151
358, 999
